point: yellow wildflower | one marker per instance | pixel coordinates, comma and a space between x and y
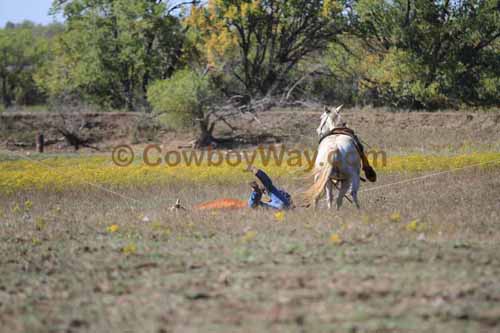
35, 241
40, 223
336, 239
395, 217
415, 225
64, 173
248, 236
113, 228
129, 249
279, 216
28, 204
16, 209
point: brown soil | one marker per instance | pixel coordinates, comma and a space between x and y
381, 129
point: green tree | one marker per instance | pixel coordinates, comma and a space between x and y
190, 97
112, 49
421, 53
261, 41
23, 48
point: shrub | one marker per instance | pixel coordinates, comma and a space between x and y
186, 98
179, 98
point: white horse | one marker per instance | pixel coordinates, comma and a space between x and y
337, 161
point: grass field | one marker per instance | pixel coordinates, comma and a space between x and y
39, 172
419, 256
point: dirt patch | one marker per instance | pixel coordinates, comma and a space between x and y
380, 129
390, 130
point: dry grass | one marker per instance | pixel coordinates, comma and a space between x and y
418, 257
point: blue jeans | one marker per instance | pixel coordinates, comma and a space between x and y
279, 199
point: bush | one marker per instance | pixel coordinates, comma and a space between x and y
181, 98
186, 97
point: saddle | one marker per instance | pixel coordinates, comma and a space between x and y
370, 173
342, 130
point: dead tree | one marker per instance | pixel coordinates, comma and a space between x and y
73, 128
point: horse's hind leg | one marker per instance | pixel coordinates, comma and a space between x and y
354, 190
315, 203
329, 193
344, 186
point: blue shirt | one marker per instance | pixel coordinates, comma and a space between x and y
279, 198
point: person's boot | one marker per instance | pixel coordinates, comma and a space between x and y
370, 173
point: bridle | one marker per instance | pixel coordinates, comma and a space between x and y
328, 116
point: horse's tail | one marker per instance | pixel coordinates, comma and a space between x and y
321, 177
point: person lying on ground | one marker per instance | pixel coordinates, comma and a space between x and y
279, 199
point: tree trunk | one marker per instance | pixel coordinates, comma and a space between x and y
206, 128
129, 94
5, 96
205, 138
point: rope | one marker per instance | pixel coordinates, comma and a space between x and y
125, 197
102, 188
429, 176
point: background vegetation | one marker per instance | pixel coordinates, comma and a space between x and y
109, 53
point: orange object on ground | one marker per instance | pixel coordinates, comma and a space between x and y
224, 203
